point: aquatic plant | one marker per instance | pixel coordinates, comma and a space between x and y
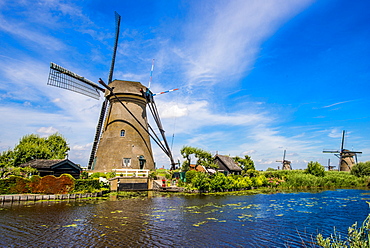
357, 237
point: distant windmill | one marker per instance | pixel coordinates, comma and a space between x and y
330, 167
285, 163
346, 160
122, 138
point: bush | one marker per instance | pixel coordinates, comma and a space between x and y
201, 181
189, 175
361, 169
87, 185
316, 169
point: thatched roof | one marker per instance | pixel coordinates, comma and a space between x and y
228, 162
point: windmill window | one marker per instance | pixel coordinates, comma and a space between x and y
123, 133
126, 162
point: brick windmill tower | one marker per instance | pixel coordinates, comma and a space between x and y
123, 134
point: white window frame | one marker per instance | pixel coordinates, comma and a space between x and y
126, 162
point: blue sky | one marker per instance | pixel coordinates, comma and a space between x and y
255, 77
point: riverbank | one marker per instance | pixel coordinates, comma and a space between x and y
38, 197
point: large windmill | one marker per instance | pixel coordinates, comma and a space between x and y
285, 163
346, 160
122, 138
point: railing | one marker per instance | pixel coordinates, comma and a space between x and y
131, 172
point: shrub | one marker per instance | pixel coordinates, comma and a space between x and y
97, 175
87, 185
189, 175
316, 169
201, 181
18, 185
361, 169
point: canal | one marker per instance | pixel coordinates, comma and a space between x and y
264, 220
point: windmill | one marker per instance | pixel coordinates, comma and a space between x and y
285, 163
330, 167
346, 160
122, 137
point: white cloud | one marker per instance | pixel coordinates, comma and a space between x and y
47, 130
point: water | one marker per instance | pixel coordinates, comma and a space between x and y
276, 220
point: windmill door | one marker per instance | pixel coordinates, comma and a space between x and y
142, 162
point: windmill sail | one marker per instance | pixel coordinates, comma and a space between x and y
106, 102
65, 79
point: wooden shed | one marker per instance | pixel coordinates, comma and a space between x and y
55, 167
226, 163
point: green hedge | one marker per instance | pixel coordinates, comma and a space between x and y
87, 185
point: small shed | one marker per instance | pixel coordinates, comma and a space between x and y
226, 163
55, 167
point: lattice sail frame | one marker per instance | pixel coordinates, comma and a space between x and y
65, 79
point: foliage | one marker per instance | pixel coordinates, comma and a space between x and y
361, 169
18, 171
6, 158
251, 173
33, 146
316, 169
189, 175
220, 182
153, 175
84, 175
204, 158
271, 169
87, 185
36, 184
201, 181
110, 175
245, 163
274, 182
96, 175
299, 179
357, 237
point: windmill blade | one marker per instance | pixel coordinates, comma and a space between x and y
151, 74
342, 146
118, 23
332, 151
65, 79
160, 93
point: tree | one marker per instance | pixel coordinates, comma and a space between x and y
204, 158
245, 163
361, 169
316, 169
33, 146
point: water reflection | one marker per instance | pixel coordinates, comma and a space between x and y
276, 220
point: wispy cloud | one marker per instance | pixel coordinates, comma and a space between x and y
337, 103
227, 43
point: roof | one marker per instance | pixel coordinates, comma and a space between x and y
197, 168
49, 163
228, 162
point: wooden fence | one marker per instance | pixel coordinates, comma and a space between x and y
35, 197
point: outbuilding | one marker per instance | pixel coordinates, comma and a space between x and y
226, 163
55, 167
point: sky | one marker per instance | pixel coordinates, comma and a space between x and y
255, 77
